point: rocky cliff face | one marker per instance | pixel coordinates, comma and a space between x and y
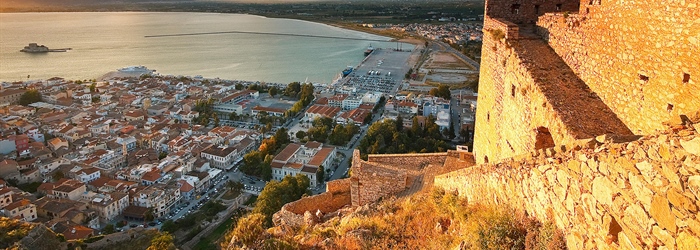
631, 192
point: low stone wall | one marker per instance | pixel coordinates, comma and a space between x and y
370, 183
113, 240
326, 202
633, 195
409, 161
337, 195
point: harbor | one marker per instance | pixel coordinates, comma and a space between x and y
381, 71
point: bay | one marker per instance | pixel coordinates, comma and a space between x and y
105, 41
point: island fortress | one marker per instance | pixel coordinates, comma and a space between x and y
554, 71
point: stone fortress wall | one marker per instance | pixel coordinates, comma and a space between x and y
414, 162
604, 193
380, 176
557, 71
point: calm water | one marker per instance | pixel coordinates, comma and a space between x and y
103, 42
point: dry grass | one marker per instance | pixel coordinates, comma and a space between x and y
428, 220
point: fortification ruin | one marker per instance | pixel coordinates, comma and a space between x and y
557, 71
626, 192
378, 177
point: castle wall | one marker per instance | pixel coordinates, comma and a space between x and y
337, 195
641, 57
370, 183
326, 202
408, 161
526, 12
534, 99
635, 195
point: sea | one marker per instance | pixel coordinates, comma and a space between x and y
103, 42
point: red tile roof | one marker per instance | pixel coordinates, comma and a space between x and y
287, 152
323, 110
185, 186
151, 176
269, 110
77, 232
320, 156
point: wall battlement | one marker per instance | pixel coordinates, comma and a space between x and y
632, 195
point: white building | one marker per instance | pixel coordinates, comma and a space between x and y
303, 159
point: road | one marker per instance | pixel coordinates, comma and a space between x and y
448, 48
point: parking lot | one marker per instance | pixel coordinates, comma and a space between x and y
381, 71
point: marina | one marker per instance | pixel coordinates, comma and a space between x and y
381, 71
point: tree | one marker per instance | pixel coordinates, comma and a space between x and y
251, 163
93, 88
249, 232
320, 174
109, 229
163, 241
441, 91
399, 123
148, 216
282, 137
234, 186
121, 223
273, 91
58, 175
266, 171
292, 89
301, 134
169, 226
239, 86
29, 97
216, 120
162, 155
276, 194
338, 136
368, 119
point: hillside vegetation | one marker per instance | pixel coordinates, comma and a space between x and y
435, 220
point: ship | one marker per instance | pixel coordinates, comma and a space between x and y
369, 50
347, 71
135, 69
35, 48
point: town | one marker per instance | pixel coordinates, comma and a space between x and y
139, 149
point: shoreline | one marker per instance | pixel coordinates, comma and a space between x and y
344, 26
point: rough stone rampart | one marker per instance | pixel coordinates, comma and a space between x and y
633, 195
408, 161
370, 183
636, 62
337, 195
526, 12
325, 202
640, 57
534, 99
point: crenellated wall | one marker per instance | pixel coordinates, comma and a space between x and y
639, 194
641, 57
